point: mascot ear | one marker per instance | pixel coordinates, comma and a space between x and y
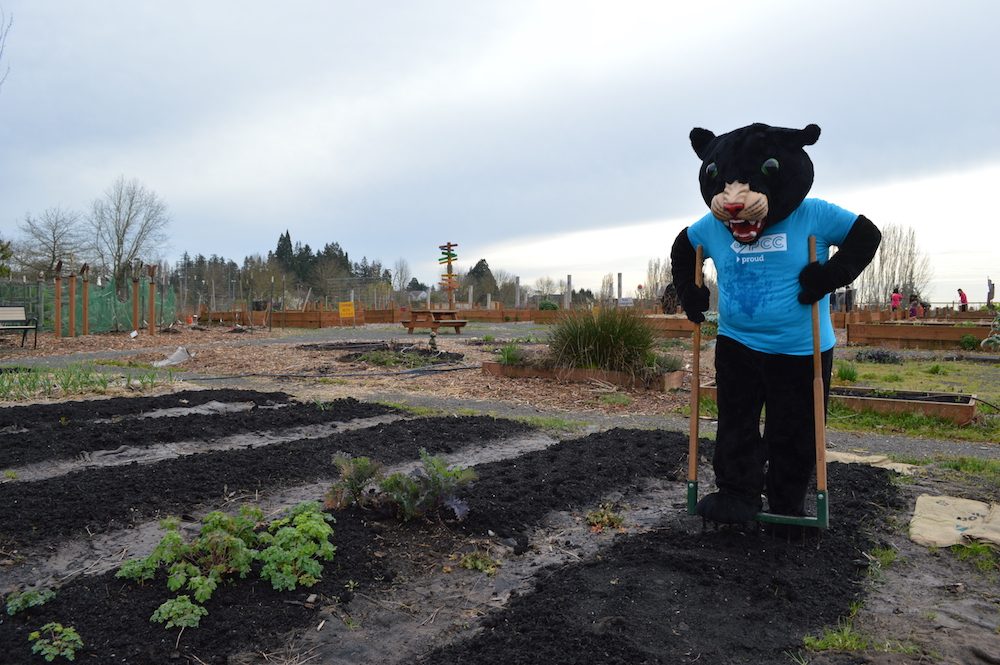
700, 138
809, 135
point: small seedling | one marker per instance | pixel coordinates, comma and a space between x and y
604, 517
53, 640
10, 474
179, 611
480, 561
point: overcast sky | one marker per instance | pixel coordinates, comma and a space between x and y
550, 138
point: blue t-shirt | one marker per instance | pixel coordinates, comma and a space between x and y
759, 283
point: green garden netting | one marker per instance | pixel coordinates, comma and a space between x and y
105, 312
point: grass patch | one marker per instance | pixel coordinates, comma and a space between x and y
980, 555
108, 362
910, 424
615, 399
423, 411
552, 423
984, 469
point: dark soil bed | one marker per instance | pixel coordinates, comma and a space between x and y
675, 594
102, 499
65, 437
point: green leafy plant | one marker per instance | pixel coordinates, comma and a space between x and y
547, 306
54, 640
295, 546
18, 602
224, 546
936, 369
10, 474
179, 612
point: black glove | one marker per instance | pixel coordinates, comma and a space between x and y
694, 299
853, 256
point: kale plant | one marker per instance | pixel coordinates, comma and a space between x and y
429, 489
356, 473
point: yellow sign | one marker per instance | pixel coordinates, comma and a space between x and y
346, 310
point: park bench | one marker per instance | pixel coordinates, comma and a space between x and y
13, 319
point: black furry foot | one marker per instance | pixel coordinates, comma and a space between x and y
728, 508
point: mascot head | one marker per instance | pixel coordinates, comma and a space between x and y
755, 175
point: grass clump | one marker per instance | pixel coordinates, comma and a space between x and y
615, 399
981, 555
510, 354
611, 339
846, 372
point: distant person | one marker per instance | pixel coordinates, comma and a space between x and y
896, 299
989, 293
963, 301
913, 306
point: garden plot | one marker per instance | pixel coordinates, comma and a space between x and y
660, 591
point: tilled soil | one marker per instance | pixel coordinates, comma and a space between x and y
666, 592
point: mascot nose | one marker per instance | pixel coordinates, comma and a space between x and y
733, 208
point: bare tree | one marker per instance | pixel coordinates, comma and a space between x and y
545, 286
607, 295
657, 277
129, 220
53, 235
400, 275
899, 263
5, 24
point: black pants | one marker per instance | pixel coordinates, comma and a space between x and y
748, 381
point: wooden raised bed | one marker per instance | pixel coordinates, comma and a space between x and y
668, 381
957, 407
912, 335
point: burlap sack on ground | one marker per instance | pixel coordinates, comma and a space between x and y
940, 521
881, 461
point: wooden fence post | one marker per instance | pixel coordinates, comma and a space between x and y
58, 306
152, 299
85, 273
135, 304
72, 305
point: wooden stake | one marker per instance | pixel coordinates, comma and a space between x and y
695, 381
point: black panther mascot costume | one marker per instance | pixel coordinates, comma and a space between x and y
755, 180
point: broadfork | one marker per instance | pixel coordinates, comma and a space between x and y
822, 518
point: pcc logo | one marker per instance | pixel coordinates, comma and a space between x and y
772, 243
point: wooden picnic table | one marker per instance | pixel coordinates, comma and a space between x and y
434, 319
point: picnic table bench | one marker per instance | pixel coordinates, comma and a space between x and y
434, 319
13, 319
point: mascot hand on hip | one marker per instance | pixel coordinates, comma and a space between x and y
755, 181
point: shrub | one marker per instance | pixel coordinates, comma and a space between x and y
547, 305
611, 339
968, 342
880, 356
53, 640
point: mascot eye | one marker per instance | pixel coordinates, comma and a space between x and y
770, 167
712, 171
